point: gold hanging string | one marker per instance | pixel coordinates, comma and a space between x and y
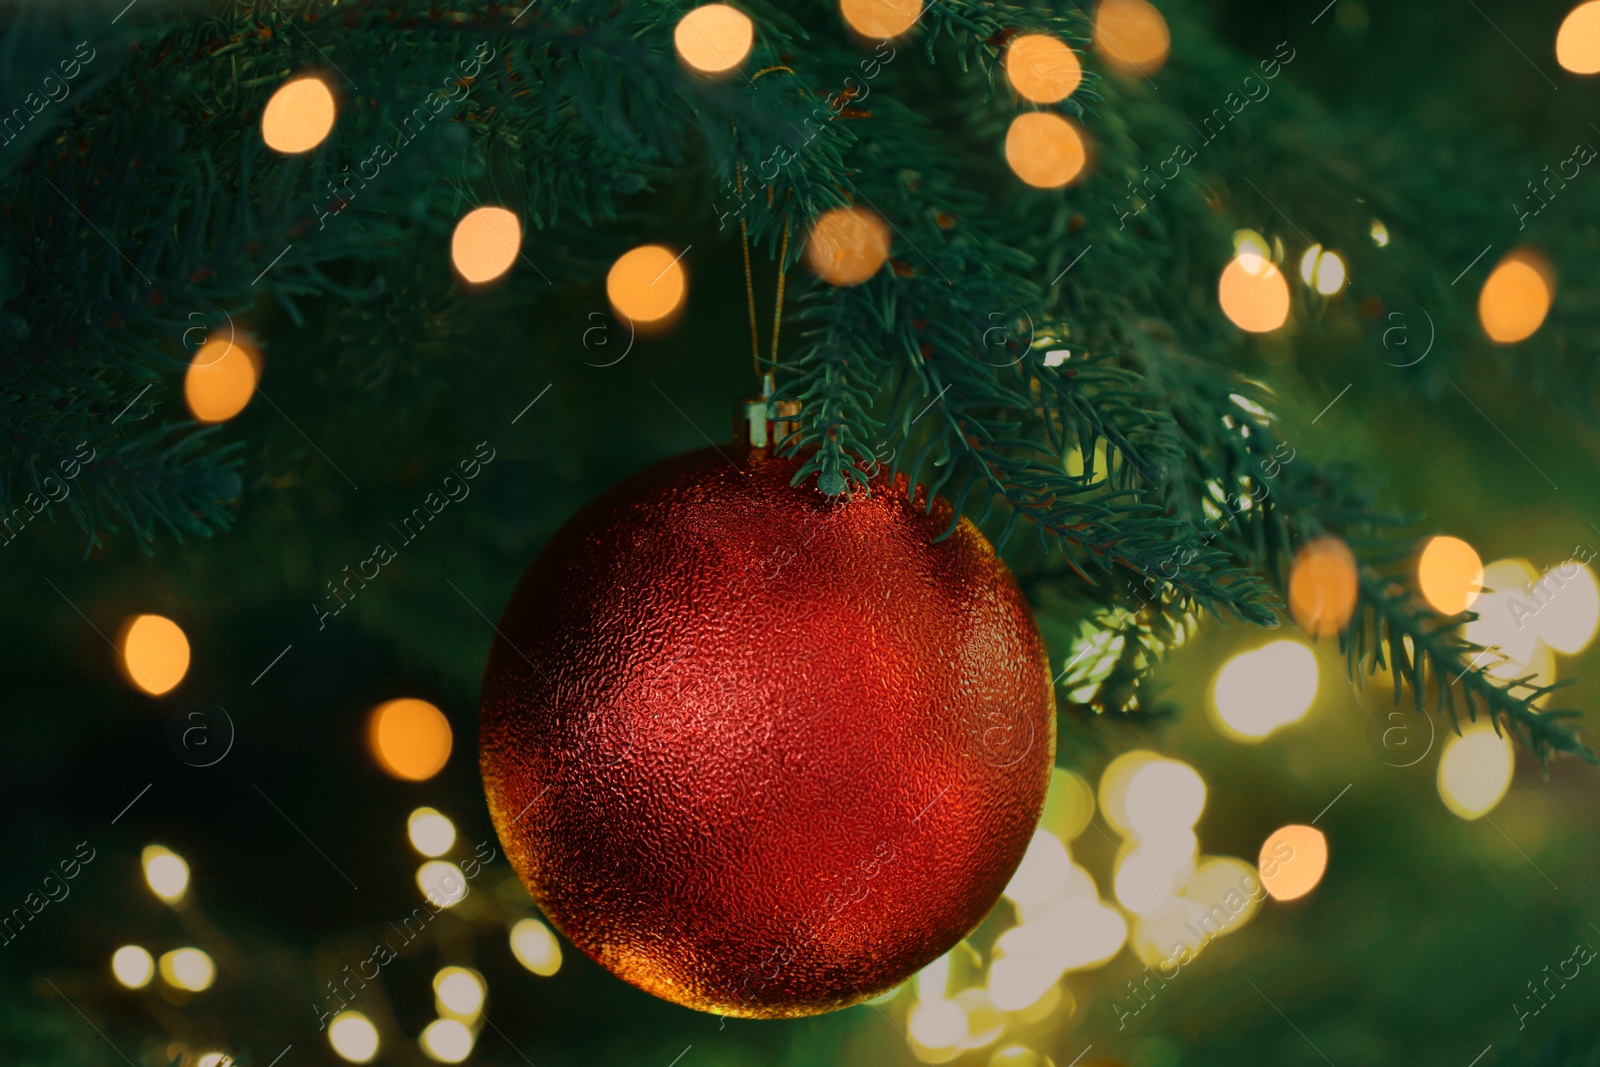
744, 246
777, 311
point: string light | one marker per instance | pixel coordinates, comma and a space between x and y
214, 1059
1223, 881
431, 833
1114, 781
1163, 794
446, 1041
1502, 626
1253, 293
132, 966
1261, 691
298, 116
485, 243
1578, 39
647, 284
442, 882
847, 245
1045, 150
353, 1037
1322, 587
165, 872
1044, 869
1042, 68
1323, 271
938, 1024
1380, 233
880, 19
410, 739
1516, 297
187, 968
220, 380
1475, 770
535, 947
1568, 611
714, 38
1293, 860
1131, 36
1449, 575
458, 993
155, 653
1068, 806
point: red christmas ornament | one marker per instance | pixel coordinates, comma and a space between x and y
759, 751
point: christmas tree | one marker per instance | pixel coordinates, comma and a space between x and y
318, 321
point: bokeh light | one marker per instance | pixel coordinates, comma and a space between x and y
1253, 293
1225, 882
431, 833
132, 966
1045, 150
1019, 1056
1578, 39
1131, 36
220, 380
1323, 271
1293, 860
299, 116
1516, 297
1068, 806
938, 1024
880, 18
1322, 587
1449, 575
1044, 869
1380, 233
446, 1040
1042, 68
1475, 770
1502, 626
486, 243
187, 968
1569, 607
647, 284
535, 947
714, 38
155, 653
1114, 781
353, 1037
442, 882
458, 993
847, 245
1162, 795
1263, 690
409, 738
165, 873
214, 1059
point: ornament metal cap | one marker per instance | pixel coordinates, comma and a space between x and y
763, 422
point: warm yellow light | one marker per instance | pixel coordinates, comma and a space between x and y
1380, 233
985, 1022
647, 284
1260, 691
1322, 587
880, 18
1578, 39
458, 993
409, 738
535, 947
1254, 294
1323, 271
214, 1059
1147, 878
714, 38
446, 1041
1019, 1056
442, 882
165, 873
1131, 36
187, 968
1222, 882
220, 380
938, 1024
353, 1036
1516, 297
1475, 770
1044, 869
1068, 806
1293, 861
299, 116
155, 653
933, 981
847, 245
1114, 782
132, 966
1045, 150
486, 243
1163, 795
1568, 611
1449, 575
431, 833
1018, 982
1042, 68
1503, 624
